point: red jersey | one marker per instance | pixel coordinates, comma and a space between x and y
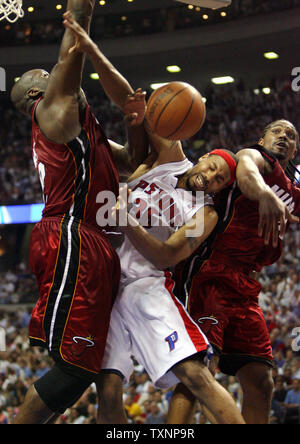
235, 241
239, 241
73, 174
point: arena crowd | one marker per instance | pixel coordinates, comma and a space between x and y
236, 116
134, 23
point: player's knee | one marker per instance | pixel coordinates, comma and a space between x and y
258, 383
267, 385
195, 375
109, 398
109, 388
32, 396
59, 390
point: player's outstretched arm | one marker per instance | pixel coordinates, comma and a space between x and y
273, 213
58, 113
167, 150
119, 91
178, 247
116, 87
66, 76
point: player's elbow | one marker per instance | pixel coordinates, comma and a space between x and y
82, 12
162, 263
166, 259
245, 177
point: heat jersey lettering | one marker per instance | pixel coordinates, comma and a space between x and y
285, 197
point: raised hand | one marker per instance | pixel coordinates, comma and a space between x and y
83, 43
273, 217
135, 108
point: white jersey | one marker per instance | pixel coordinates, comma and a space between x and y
147, 320
161, 208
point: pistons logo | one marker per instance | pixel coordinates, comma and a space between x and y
209, 322
171, 340
80, 345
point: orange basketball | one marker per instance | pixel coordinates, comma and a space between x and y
176, 111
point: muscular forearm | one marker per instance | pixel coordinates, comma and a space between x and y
137, 146
114, 84
82, 11
179, 245
154, 250
251, 182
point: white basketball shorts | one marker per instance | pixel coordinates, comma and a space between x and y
149, 323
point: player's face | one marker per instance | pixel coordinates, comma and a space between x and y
281, 140
210, 175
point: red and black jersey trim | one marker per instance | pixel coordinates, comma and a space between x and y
62, 293
269, 157
224, 205
81, 151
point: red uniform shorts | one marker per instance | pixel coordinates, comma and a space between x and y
78, 274
224, 303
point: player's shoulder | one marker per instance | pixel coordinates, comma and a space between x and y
260, 156
253, 153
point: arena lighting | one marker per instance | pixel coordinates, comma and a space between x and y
94, 76
266, 90
297, 175
21, 214
222, 80
157, 85
271, 55
58, 7
173, 68
212, 4
30, 9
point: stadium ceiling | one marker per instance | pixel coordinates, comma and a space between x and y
45, 9
234, 48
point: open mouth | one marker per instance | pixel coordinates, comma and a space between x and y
283, 145
200, 182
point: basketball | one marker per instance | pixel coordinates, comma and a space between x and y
176, 111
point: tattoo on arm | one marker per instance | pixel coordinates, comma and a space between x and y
193, 243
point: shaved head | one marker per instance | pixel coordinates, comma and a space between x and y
28, 89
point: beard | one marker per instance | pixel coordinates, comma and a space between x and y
188, 184
279, 156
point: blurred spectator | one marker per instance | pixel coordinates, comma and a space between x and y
280, 391
76, 416
292, 403
133, 409
142, 22
235, 116
155, 416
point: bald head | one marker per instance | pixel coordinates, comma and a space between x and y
28, 89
